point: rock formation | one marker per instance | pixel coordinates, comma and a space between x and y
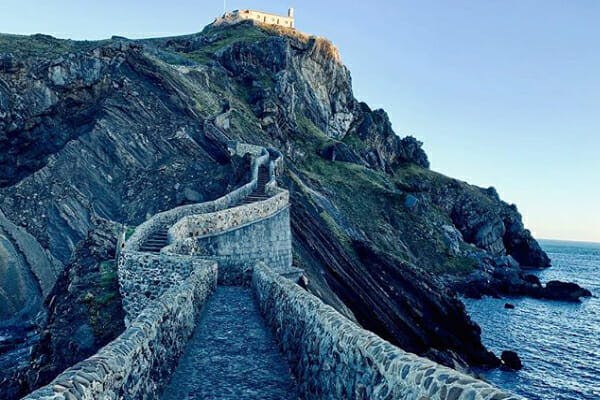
98, 135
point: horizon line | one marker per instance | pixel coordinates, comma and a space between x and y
569, 240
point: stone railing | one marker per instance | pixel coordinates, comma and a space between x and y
144, 277
170, 217
333, 358
275, 169
137, 364
201, 225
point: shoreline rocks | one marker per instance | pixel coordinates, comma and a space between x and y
515, 283
511, 360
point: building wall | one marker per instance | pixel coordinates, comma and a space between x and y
144, 277
265, 18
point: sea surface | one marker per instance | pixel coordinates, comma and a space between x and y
558, 342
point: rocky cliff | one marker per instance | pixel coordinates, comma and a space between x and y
97, 136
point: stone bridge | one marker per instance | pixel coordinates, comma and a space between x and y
213, 311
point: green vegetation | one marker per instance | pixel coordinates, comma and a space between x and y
103, 296
224, 38
336, 229
128, 232
374, 202
460, 265
42, 45
108, 273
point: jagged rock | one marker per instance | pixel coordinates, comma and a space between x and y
453, 239
568, 291
85, 311
511, 360
340, 152
513, 282
385, 150
114, 130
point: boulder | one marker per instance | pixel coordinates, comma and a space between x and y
192, 196
511, 360
452, 238
566, 291
509, 306
534, 280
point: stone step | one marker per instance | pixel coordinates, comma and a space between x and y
156, 242
150, 250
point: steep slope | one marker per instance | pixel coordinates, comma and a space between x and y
97, 135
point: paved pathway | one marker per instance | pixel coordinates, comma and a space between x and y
232, 355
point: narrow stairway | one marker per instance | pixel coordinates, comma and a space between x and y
232, 354
259, 194
159, 239
156, 241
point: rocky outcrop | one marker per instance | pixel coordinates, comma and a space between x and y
27, 273
385, 150
511, 360
487, 222
120, 130
85, 311
567, 291
446, 335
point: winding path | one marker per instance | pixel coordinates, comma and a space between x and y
169, 271
232, 355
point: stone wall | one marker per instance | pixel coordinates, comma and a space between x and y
237, 251
170, 217
200, 225
144, 277
333, 358
138, 363
241, 148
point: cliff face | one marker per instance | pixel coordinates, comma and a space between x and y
102, 134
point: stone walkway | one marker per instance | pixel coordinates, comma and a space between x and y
232, 355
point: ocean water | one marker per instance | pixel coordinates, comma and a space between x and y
558, 342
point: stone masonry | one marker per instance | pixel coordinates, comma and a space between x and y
240, 241
333, 358
267, 240
137, 364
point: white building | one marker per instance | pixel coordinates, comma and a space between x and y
259, 16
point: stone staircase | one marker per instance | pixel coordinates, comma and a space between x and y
156, 241
259, 193
257, 337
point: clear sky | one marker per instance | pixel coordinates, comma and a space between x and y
502, 92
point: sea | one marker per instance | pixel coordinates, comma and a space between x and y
558, 342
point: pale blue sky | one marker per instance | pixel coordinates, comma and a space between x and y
502, 92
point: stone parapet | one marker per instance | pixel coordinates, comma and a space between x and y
201, 225
144, 277
170, 217
137, 364
236, 251
333, 358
